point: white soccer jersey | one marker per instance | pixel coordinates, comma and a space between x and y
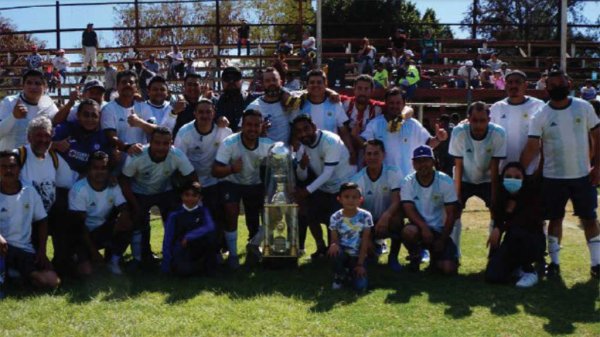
114, 117
13, 132
564, 134
327, 115
399, 145
149, 177
232, 148
17, 213
41, 174
377, 193
280, 119
96, 204
515, 118
477, 154
329, 150
201, 149
430, 201
161, 113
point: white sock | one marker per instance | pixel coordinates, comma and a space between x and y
136, 245
491, 227
455, 235
594, 247
231, 240
553, 249
258, 237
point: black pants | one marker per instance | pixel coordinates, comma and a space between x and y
106, 236
198, 256
519, 248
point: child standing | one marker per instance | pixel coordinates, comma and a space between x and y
350, 236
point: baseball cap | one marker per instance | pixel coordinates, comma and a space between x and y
423, 151
409, 53
469, 63
93, 84
516, 73
231, 73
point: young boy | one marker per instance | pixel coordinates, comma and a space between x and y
350, 236
189, 246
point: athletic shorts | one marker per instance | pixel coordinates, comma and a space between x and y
21, 260
321, 205
556, 193
233, 193
450, 252
483, 191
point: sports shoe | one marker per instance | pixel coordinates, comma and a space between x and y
233, 262
552, 270
527, 280
425, 257
595, 271
336, 285
253, 254
114, 268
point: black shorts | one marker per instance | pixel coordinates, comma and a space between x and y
233, 193
320, 206
21, 260
450, 252
483, 191
556, 193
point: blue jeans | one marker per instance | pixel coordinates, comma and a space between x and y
343, 269
429, 51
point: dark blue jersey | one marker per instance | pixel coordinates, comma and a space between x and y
82, 144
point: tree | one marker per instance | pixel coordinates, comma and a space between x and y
512, 19
16, 42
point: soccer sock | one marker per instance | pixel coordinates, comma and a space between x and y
594, 247
553, 249
231, 240
455, 235
491, 227
136, 245
258, 237
394, 250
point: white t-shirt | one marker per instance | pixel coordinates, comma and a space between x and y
280, 119
149, 177
377, 194
41, 174
201, 149
515, 118
564, 134
477, 154
309, 42
161, 113
399, 145
233, 148
114, 117
464, 72
430, 201
327, 115
13, 132
60, 62
17, 213
96, 204
329, 150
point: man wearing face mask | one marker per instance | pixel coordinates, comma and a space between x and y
562, 129
233, 102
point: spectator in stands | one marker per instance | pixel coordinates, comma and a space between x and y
479, 63
243, 38
454, 119
494, 62
176, 67
34, 60
16, 111
309, 44
232, 103
380, 77
110, 79
256, 86
551, 65
293, 82
504, 69
407, 55
186, 104
498, 80
89, 41
366, 57
398, 41
468, 76
144, 75
189, 66
389, 60
541, 83
61, 63
152, 65
55, 81
485, 77
279, 63
588, 92
284, 46
411, 80
428, 46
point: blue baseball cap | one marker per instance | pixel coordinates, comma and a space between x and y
423, 151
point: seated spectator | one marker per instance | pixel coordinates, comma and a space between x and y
189, 66
144, 75
588, 92
494, 62
34, 60
308, 44
498, 80
407, 55
152, 65
398, 41
410, 80
389, 60
504, 69
469, 77
61, 63
381, 76
485, 77
55, 80
541, 83
243, 38
428, 44
366, 57
479, 62
284, 46
176, 66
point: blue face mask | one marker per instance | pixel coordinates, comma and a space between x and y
512, 185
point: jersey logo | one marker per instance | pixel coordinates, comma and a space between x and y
406, 140
93, 204
26, 205
469, 151
525, 115
436, 197
111, 200
578, 120
416, 197
503, 116
121, 120
216, 144
553, 124
488, 150
385, 189
369, 193
329, 113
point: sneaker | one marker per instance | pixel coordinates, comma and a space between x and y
552, 270
425, 257
233, 262
384, 248
394, 265
253, 254
527, 280
595, 271
114, 268
336, 285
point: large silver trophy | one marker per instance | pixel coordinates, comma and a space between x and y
280, 220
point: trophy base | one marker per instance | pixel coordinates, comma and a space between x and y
280, 262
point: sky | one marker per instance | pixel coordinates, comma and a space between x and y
448, 11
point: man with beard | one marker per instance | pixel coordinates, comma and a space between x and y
561, 129
92, 89
16, 111
185, 106
276, 119
328, 158
233, 102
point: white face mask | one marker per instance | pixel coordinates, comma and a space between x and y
190, 209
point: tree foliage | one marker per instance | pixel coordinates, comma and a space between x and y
16, 42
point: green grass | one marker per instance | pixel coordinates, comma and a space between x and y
300, 302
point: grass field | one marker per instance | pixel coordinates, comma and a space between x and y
300, 302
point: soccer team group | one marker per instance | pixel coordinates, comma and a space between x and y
88, 174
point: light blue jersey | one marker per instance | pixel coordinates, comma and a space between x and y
377, 193
232, 148
350, 229
97, 205
327, 115
279, 118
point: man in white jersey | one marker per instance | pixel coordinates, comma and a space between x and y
327, 157
401, 137
16, 111
562, 129
52, 177
477, 148
158, 104
276, 118
238, 163
380, 184
429, 202
23, 226
101, 216
146, 182
513, 114
118, 116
